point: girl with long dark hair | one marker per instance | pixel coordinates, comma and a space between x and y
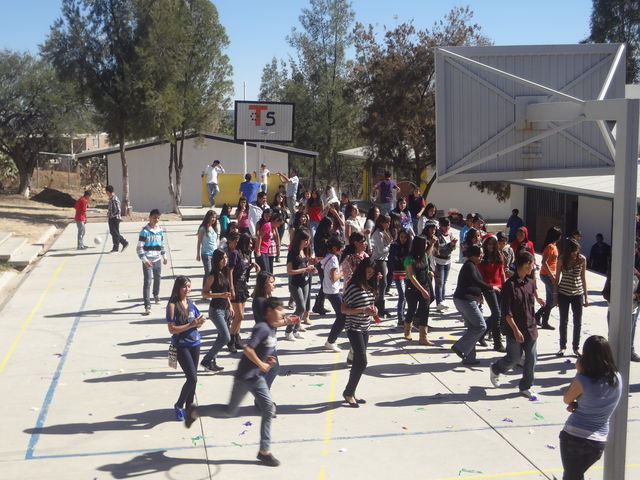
592, 397
419, 288
299, 268
265, 285
217, 289
402, 209
352, 255
370, 223
225, 213
207, 241
314, 210
548, 275
570, 289
358, 306
380, 241
398, 250
352, 220
268, 241
239, 266
183, 321
322, 235
492, 271
242, 215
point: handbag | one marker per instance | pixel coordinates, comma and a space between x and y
172, 358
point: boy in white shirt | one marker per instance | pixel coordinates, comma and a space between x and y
331, 287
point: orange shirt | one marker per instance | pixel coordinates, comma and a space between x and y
550, 255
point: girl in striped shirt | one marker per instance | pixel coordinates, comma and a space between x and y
358, 306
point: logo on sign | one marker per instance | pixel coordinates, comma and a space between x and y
256, 115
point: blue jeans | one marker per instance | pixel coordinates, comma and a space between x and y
154, 271
264, 187
260, 390
219, 318
188, 360
545, 312
386, 207
514, 353
206, 263
578, 454
474, 321
300, 296
401, 299
81, 230
335, 299
442, 274
212, 189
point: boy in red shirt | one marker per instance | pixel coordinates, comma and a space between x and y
81, 217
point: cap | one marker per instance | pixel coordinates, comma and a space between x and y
431, 223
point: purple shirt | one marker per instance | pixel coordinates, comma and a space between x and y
386, 190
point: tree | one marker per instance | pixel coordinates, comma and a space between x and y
93, 45
273, 82
325, 118
395, 80
33, 106
184, 73
501, 190
619, 21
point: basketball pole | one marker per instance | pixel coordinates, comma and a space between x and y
622, 251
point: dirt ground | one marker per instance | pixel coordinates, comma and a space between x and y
31, 218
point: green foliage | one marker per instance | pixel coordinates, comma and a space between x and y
273, 82
618, 21
93, 45
34, 108
394, 78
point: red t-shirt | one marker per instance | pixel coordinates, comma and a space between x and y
81, 209
266, 232
315, 213
491, 273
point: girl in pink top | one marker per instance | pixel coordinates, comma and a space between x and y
242, 215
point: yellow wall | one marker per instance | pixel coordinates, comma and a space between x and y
229, 184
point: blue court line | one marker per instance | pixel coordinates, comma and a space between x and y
307, 440
63, 358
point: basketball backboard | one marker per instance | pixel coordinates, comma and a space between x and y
484, 98
264, 121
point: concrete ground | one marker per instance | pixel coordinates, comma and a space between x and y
88, 394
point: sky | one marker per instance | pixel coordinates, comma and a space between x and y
258, 30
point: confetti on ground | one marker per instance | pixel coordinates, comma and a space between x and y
419, 409
196, 438
568, 360
247, 423
445, 356
533, 398
342, 450
449, 426
243, 432
316, 384
405, 428
538, 416
468, 470
236, 444
440, 338
57, 355
551, 447
507, 419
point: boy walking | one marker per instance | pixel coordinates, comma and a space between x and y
151, 252
256, 361
81, 217
114, 218
519, 324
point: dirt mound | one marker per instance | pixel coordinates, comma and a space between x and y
55, 197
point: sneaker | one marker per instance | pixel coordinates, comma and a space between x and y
156, 299
179, 414
298, 335
147, 310
268, 459
332, 346
528, 393
457, 352
212, 366
494, 377
546, 326
124, 247
635, 357
289, 336
191, 415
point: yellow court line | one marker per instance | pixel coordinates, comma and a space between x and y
329, 421
34, 310
526, 472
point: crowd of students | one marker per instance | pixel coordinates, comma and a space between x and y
353, 263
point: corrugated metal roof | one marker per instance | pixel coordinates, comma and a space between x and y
214, 136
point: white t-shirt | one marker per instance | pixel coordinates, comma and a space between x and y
263, 175
328, 263
212, 173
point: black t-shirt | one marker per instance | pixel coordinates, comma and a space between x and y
258, 309
263, 341
219, 303
297, 262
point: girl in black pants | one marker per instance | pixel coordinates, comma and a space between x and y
183, 320
419, 288
358, 306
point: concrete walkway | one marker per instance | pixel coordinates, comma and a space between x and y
88, 394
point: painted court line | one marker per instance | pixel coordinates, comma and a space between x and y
44, 410
34, 310
329, 420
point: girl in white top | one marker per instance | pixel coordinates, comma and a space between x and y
380, 241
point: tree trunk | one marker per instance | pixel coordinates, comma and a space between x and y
429, 184
314, 172
24, 188
126, 205
172, 191
179, 167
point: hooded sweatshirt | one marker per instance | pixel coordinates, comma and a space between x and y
516, 245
